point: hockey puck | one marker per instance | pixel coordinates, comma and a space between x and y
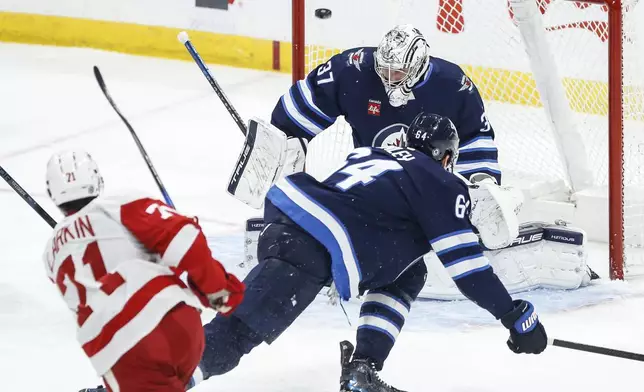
323, 13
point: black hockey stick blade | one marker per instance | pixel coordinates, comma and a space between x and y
26, 197
596, 349
146, 157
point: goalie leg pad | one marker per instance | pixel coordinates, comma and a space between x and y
542, 256
259, 164
254, 227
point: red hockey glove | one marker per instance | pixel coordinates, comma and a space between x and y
226, 300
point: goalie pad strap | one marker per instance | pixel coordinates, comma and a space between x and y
538, 231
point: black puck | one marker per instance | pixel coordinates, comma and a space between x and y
323, 13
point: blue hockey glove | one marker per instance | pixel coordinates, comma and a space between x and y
527, 334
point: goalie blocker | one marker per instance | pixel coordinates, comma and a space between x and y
267, 155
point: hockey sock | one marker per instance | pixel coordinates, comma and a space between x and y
382, 316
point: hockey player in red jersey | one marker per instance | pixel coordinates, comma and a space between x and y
117, 264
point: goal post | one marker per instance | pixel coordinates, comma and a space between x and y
563, 85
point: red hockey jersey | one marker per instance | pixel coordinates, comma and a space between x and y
117, 264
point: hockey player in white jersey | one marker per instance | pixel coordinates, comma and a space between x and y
117, 264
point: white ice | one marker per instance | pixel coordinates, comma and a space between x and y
49, 101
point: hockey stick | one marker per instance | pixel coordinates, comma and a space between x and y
157, 179
185, 40
596, 349
25, 196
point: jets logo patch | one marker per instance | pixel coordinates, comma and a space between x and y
390, 136
466, 84
374, 107
355, 58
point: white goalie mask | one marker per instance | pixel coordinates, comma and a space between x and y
401, 60
72, 175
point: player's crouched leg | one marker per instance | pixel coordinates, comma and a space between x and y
165, 359
383, 313
292, 270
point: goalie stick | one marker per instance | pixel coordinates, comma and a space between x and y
26, 197
157, 179
185, 40
596, 349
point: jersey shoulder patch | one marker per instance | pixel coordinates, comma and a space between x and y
453, 75
357, 59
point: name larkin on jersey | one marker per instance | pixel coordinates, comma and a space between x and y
81, 228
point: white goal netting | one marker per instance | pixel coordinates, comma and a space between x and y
542, 69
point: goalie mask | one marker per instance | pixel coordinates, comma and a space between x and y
401, 60
435, 136
72, 176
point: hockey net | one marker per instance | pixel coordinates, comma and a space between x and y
542, 67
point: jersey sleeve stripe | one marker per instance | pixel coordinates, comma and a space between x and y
456, 247
179, 246
467, 265
478, 166
479, 141
479, 160
379, 324
478, 149
326, 228
305, 89
296, 115
452, 240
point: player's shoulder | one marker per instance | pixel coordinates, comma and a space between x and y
112, 204
451, 74
354, 61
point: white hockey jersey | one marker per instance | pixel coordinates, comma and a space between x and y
117, 265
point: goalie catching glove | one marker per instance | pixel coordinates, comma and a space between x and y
494, 210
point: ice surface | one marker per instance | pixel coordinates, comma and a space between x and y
50, 101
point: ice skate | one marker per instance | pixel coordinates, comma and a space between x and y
360, 375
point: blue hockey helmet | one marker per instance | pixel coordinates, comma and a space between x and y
434, 135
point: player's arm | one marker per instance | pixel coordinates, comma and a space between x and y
478, 154
182, 246
278, 149
310, 105
443, 216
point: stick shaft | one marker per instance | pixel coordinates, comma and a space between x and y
215, 86
597, 350
26, 197
146, 157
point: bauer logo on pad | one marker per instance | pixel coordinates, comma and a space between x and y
374, 107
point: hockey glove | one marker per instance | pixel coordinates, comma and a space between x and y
527, 334
226, 300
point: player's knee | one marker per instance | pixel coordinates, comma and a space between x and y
287, 242
411, 282
276, 294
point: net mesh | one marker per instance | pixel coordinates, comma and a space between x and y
577, 35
